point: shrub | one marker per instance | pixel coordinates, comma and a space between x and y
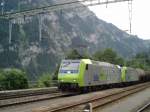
45, 80
13, 79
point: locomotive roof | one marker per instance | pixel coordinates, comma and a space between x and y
102, 63
89, 61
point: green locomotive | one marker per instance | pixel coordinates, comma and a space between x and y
86, 73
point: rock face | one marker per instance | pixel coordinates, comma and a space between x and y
61, 31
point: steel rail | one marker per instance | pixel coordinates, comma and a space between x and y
26, 92
55, 7
116, 97
144, 107
33, 98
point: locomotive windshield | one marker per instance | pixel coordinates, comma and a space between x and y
69, 66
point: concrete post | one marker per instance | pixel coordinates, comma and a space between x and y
88, 108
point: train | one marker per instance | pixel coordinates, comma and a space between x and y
87, 74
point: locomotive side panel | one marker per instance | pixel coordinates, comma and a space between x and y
113, 74
100, 75
92, 76
131, 75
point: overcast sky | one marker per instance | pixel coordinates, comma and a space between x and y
118, 15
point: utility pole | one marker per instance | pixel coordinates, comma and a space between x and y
10, 31
19, 3
130, 15
2, 6
40, 27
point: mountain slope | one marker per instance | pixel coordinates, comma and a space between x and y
61, 31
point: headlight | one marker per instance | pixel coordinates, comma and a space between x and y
74, 80
68, 72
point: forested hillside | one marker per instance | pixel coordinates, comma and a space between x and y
62, 31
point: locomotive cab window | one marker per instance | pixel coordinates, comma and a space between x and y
69, 66
86, 67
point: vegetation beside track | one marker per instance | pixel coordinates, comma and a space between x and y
13, 79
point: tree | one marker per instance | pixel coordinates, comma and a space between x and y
141, 60
135, 63
55, 76
13, 79
97, 56
45, 80
108, 55
119, 61
74, 54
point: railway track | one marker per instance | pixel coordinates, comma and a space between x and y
96, 101
21, 93
117, 96
145, 108
25, 96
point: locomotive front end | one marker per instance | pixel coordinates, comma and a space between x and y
68, 74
